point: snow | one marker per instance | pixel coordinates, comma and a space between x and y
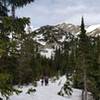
48, 52
69, 25
63, 39
47, 92
31, 28
41, 42
38, 37
92, 27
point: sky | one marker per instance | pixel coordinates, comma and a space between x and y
51, 12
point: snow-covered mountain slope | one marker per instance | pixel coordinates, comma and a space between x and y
49, 37
68, 27
93, 30
47, 92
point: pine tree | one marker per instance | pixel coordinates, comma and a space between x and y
84, 48
67, 87
3, 10
83, 41
94, 74
17, 4
57, 59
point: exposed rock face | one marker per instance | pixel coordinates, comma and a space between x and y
69, 27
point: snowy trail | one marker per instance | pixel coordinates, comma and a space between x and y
46, 93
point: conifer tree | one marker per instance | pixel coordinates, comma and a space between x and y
83, 52
84, 56
16, 4
3, 10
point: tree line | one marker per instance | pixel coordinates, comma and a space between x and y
21, 63
79, 59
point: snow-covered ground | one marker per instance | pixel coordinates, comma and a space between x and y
47, 92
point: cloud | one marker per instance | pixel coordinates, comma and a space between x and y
43, 12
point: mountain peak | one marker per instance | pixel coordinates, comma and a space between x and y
68, 27
51, 36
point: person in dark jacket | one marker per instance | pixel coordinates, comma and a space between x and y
42, 80
46, 80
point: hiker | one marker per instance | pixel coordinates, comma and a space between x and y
46, 80
42, 80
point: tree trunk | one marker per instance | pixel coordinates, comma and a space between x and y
13, 10
5, 3
82, 94
85, 84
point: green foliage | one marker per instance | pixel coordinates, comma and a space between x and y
31, 90
60, 93
67, 88
19, 3
15, 4
21, 62
87, 65
6, 87
80, 58
3, 10
15, 25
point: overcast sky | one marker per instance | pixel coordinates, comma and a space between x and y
43, 12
